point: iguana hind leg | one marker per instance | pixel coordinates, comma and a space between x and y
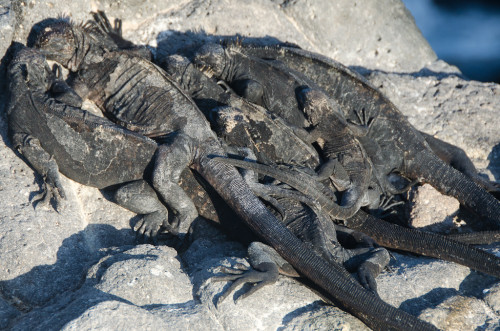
44, 164
171, 159
267, 264
140, 198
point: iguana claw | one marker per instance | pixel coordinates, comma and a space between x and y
264, 274
51, 188
148, 227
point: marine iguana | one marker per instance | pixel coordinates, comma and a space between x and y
54, 136
392, 144
282, 93
192, 143
274, 142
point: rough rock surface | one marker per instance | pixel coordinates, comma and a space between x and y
78, 268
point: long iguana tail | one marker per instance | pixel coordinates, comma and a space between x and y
332, 278
424, 243
390, 235
301, 182
476, 238
428, 168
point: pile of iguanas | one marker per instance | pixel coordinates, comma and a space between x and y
326, 144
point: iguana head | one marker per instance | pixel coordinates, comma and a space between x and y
314, 103
61, 42
30, 66
212, 60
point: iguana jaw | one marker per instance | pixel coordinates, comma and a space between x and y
60, 42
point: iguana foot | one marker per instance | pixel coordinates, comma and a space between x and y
148, 227
103, 23
139, 197
370, 268
61, 91
367, 273
264, 274
51, 188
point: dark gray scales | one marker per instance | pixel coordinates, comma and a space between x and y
91, 150
191, 145
391, 143
243, 122
250, 124
290, 95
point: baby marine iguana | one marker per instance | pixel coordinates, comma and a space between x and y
273, 142
391, 143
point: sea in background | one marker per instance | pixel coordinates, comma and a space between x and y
463, 33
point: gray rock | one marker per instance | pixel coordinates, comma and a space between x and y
492, 297
118, 316
432, 211
7, 25
76, 269
7, 313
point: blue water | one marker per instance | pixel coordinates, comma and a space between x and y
463, 33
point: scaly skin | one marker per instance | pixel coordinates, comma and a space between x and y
384, 233
296, 152
299, 102
89, 149
125, 84
273, 141
54, 136
392, 143
242, 123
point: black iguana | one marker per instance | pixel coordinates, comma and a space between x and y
141, 96
283, 94
392, 144
274, 142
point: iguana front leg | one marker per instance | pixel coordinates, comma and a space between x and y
44, 164
267, 264
140, 198
170, 160
61, 91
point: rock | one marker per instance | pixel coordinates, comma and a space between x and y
444, 104
145, 275
459, 313
76, 268
7, 313
116, 315
492, 297
431, 210
7, 25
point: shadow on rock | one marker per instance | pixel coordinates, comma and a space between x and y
186, 43
472, 286
75, 256
494, 165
